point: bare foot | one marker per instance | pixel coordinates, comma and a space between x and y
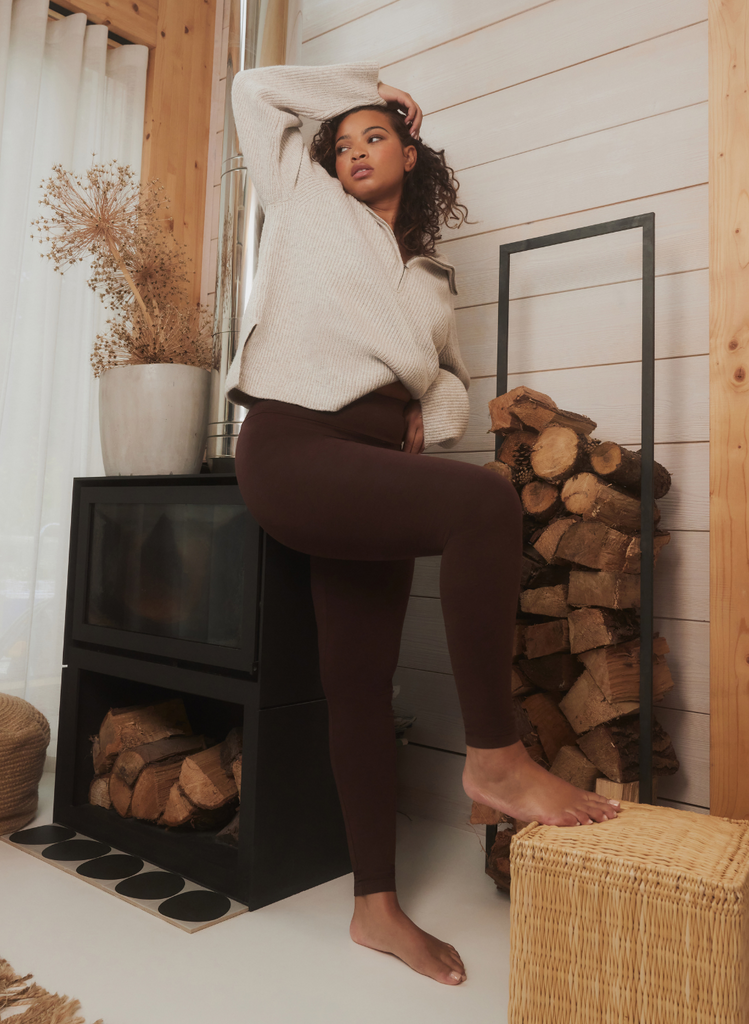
379, 923
509, 780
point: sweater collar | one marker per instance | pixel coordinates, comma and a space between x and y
443, 264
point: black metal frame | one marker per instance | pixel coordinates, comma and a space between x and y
646, 221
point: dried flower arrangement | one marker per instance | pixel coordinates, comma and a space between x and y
137, 266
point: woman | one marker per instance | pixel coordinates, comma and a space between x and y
350, 366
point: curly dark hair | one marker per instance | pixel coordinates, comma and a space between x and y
430, 189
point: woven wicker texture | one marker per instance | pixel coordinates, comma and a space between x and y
24, 738
642, 919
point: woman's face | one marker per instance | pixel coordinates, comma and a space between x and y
370, 159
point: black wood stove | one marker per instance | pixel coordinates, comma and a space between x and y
174, 590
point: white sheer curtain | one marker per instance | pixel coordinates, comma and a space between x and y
64, 98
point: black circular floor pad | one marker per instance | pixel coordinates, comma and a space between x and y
198, 905
42, 835
151, 885
76, 849
116, 865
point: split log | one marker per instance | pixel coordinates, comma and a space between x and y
518, 641
231, 749
540, 412
152, 789
540, 500
181, 811
98, 792
230, 833
551, 601
527, 568
632, 561
553, 729
623, 790
102, 764
500, 408
614, 749
549, 576
498, 861
558, 453
618, 465
599, 627
615, 590
516, 449
131, 762
616, 670
132, 727
548, 541
555, 673
204, 781
572, 765
121, 796
547, 638
236, 769
519, 684
523, 724
500, 468
585, 706
586, 495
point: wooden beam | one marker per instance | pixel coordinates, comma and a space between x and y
136, 22
177, 122
729, 408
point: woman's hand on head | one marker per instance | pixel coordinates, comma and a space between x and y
414, 438
403, 101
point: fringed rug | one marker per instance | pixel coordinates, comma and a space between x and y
17, 993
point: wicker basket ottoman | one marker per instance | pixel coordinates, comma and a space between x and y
24, 738
642, 919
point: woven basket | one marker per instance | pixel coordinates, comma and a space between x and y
24, 738
641, 919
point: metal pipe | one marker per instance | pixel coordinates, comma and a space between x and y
261, 32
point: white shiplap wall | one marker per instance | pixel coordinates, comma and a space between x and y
555, 115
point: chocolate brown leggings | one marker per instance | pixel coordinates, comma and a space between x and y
337, 486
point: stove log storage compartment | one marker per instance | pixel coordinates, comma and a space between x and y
175, 591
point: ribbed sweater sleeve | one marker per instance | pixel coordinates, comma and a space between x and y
444, 406
268, 105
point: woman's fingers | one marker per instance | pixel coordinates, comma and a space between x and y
404, 101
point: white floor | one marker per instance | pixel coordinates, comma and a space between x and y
289, 962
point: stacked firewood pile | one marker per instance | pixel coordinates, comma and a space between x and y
576, 670
148, 764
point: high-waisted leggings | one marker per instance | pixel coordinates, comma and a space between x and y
337, 486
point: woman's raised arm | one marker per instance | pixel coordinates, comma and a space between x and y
268, 106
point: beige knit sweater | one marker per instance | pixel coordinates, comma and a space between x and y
334, 312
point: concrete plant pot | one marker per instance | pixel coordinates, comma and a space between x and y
153, 419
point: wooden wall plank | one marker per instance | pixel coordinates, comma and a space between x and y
590, 325
729, 400
135, 22
639, 81
655, 155
432, 697
681, 592
681, 412
326, 15
566, 33
690, 734
177, 124
681, 231
689, 661
394, 32
430, 786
